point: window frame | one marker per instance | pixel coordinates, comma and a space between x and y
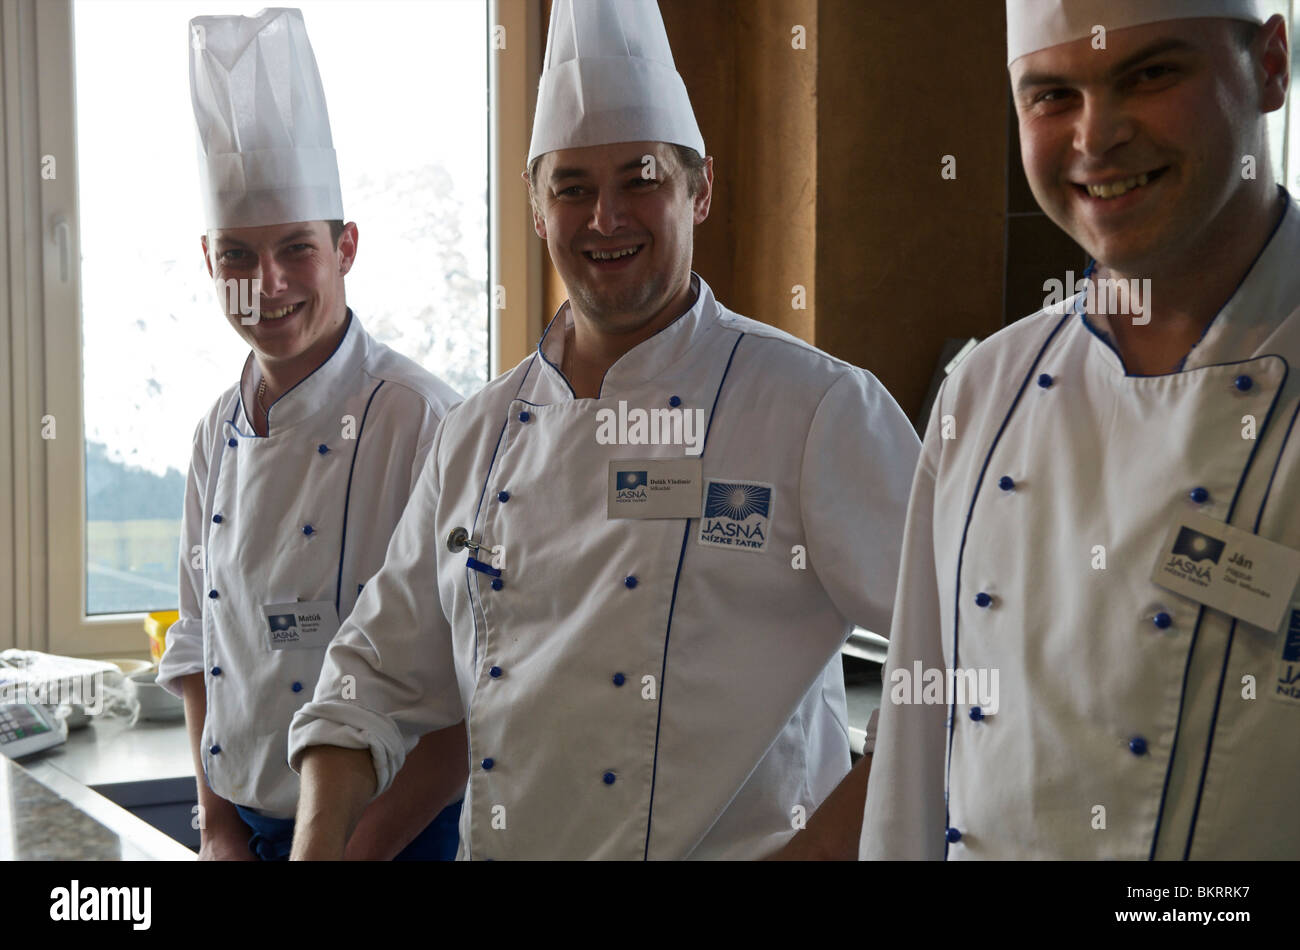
40, 246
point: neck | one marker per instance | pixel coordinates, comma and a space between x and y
282, 375
1186, 296
590, 350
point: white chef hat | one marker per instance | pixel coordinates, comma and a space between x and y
609, 77
1038, 24
265, 151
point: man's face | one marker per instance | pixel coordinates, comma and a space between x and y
301, 272
618, 221
1136, 150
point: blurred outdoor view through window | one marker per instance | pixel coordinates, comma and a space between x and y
406, 87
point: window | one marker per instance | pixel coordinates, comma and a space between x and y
116, 338
156, 348
1284, 125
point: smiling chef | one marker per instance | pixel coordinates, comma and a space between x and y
301, 470
1107, 509
642, 638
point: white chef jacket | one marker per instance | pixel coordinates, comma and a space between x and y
1119, 733
304, 514
630, 690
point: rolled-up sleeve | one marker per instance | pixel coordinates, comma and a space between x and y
184, 647
389, 674
905, 814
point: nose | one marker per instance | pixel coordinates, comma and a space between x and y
271, 274
1102, 125
608, 212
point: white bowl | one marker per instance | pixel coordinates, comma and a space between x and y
156, 704
130, 666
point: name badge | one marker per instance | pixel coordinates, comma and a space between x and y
303, 625
655, 488
1239, 573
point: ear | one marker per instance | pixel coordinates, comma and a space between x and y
539, 221
704, 197
347, 247
1273, 63
207, 260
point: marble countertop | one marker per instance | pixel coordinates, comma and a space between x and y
47, 816
50, 809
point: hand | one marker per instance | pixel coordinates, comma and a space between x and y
227, 842
311, 846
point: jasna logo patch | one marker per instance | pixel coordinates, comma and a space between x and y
736, 514
1287, 687
284, 628
632, 486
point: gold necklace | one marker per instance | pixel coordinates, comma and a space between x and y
261, 395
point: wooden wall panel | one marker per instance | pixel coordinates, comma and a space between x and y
827, 171
905, 258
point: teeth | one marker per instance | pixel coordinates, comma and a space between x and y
613, 255
277, 314
1115, 189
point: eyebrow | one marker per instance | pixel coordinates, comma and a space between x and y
1158, 48
226, 243
558, 174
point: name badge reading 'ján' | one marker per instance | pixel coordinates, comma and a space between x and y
1239, 573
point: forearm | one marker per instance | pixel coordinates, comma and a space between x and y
214, 811
336, 785
833, 831
432, 778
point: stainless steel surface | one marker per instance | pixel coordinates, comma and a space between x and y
864, 645
110, 752
863, 690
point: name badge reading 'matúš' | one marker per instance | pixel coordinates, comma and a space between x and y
302, 625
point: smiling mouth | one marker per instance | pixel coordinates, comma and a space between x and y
283, 312
1116, 189
614, 255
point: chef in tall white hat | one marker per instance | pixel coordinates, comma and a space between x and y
301, 469
643, 547
1103, 538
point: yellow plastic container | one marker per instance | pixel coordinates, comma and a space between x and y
156, 625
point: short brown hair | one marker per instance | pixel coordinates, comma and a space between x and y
336, 232
689, 159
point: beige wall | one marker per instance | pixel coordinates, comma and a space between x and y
827, 171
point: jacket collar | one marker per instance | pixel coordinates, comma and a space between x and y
646, 361
1266, 296
323, 387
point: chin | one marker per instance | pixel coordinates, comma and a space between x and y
280, 348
